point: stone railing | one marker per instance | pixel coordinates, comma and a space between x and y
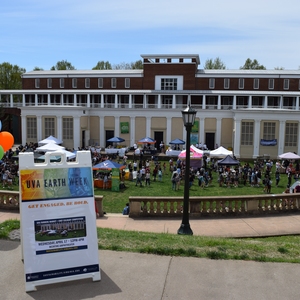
10, 200
214, 206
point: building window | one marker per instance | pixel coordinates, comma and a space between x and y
127, 83
167, 101
168, 84
68, 132
291, 135
269, 131
211, 83
62, 83
87, 83
286, 84
37, 83
271, 84
74, 83
49, 126
226, 83
49, 83
241, 83
100, 83
31, 128
247, 130
256, 83
114, 83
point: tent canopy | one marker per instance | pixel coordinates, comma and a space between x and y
220, 152
146, 140
177, 142
289, 155
50, 139
115, 139
108, 165
228, 161
195, 153
69, 154
50, 147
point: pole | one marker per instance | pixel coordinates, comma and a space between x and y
185, 225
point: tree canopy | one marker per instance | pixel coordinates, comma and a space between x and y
103, 65
63, 65
10, 76
216, 64
252, 65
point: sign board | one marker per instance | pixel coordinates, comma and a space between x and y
58, 220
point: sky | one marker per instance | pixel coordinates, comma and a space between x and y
35, 33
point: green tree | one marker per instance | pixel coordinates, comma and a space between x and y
37, 69
63, 65
103, 65
137, 65
216, 64
10, 76
252, 65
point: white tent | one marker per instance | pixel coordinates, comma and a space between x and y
289, 155
49, 147
220, 152
69, 154
50, 139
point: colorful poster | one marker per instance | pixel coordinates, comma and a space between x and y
195, 127
194, 138
58, 221
124, 126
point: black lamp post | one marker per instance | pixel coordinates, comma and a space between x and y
188, 116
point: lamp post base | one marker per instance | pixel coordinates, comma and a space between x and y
185, 229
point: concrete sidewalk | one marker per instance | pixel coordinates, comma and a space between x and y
143, 276
135, 276
272, 225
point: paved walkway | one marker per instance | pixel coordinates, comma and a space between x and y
218, 227
142, 276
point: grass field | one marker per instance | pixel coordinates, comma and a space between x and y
114, 202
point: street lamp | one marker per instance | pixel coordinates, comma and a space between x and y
188, 116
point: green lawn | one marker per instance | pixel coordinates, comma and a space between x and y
114, 202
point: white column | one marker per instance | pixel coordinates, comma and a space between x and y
159, 101
219, 131
24, 129
265, 102
256, 138
77, 131
169, 130
117, 126
281, 136
237, 138
36, 99
48, 99
102, 101
75, 100
219, 102
174, 101
204, 102
144, 101
148, 126
250, 102
234, 103
202, 130
281, 102
39, 126
297, 103
189, 101
11, 100
88, 102
130, 101
116, 100
132, 131
23, 100
59, 128
61, 99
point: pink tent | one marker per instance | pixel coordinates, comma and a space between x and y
195, 153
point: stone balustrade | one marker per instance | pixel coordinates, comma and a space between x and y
10, 200
214, 206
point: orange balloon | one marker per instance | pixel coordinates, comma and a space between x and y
6, 140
